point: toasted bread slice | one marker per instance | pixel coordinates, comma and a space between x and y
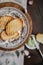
4, 20
13, 26
5, 37
39, 38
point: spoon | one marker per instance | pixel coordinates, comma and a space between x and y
37, 46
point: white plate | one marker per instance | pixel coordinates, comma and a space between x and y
15, 13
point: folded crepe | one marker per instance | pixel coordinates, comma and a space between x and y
4, 20
5, 37
14, 26
12, 30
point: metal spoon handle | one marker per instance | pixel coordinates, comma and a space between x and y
37, 46
41, 53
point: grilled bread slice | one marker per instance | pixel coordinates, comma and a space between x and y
39, 38
5, 37
14, 26
4, 20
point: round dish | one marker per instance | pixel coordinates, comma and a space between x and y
15, 10
30, 44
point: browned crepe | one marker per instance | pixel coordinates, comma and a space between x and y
4, 20
14, 26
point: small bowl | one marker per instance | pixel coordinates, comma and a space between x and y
28, 46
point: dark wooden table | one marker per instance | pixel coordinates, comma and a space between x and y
35, 58
36, 13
